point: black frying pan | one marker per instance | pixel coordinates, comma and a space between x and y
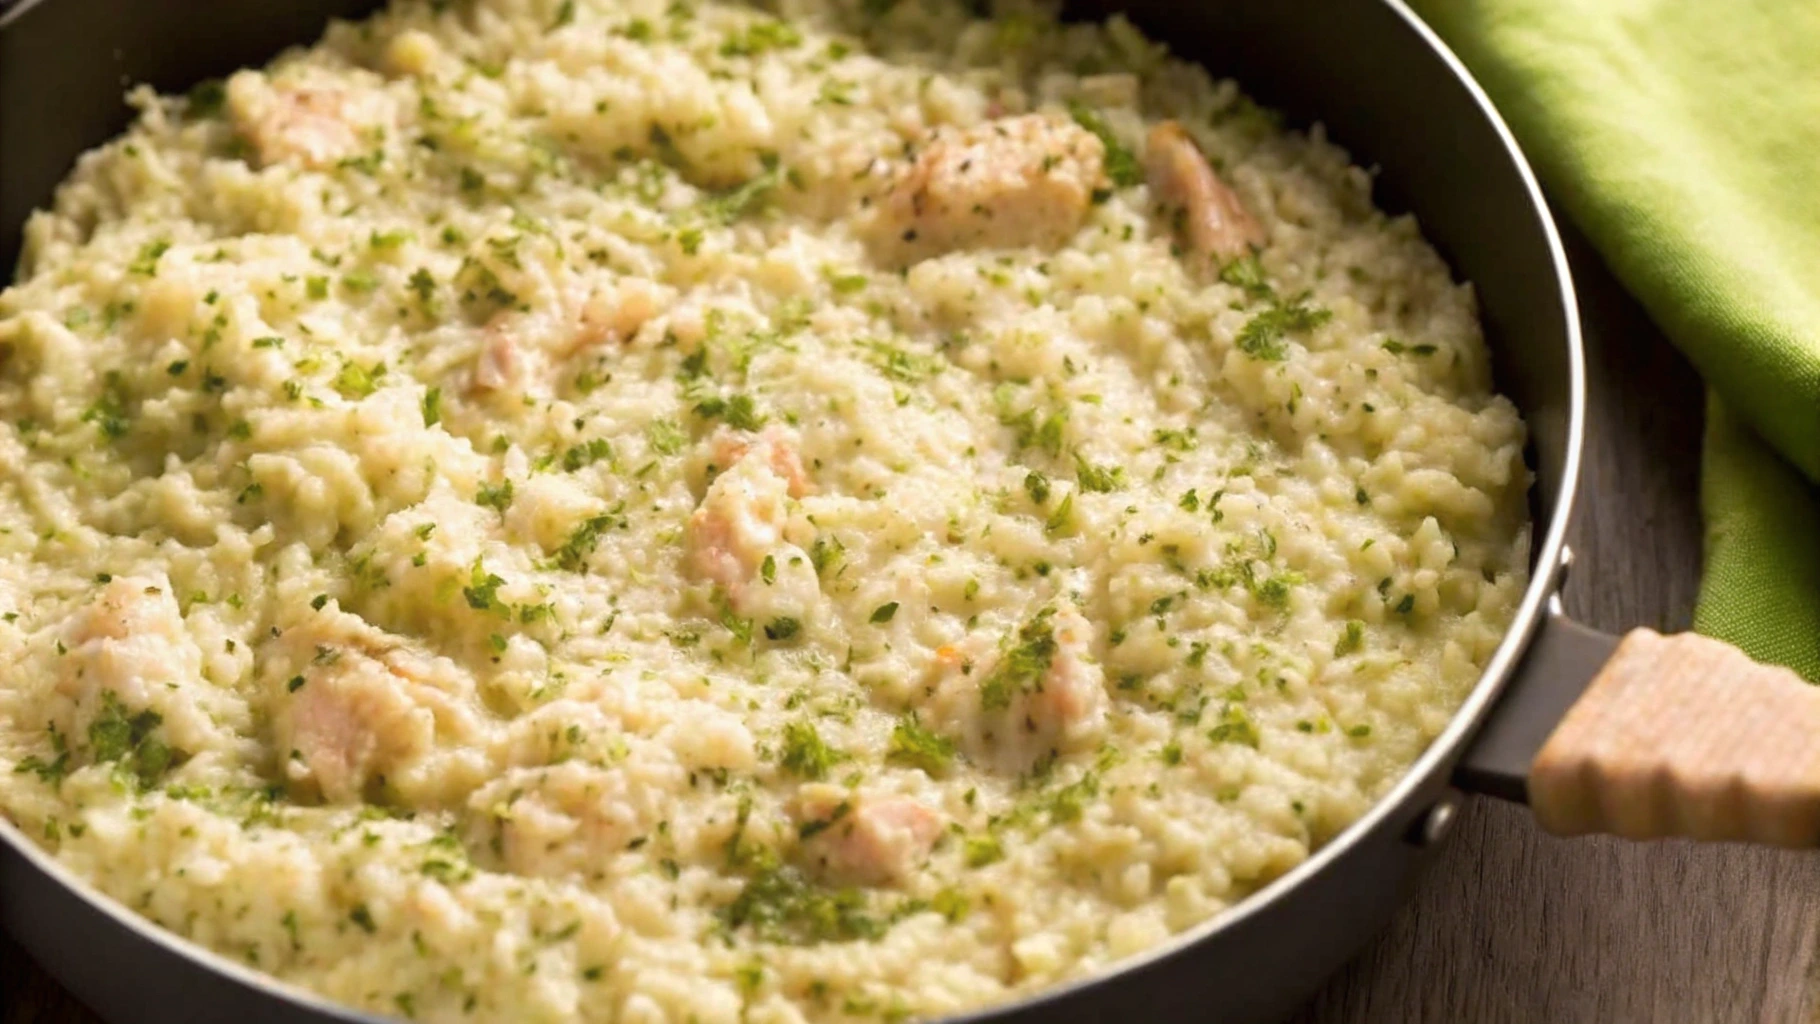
1386, 89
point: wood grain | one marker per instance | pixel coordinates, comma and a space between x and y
1509, 924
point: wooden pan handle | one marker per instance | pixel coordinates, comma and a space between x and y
1685, 736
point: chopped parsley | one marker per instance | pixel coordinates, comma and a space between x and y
782, 905
1397, 348
108, 413
51, 771
1247, 273
884, 613
805, 754
495, 497
573, 555
1351, 640
1022, 667
920, 747
205, 99
1098, 479
124, 737
737, 410
356, 381
1120, 163
583, 455
666, 437
1234, 727
730, 206
146, 263
1037, 486
1264, 336
482, 591
900, 364
759, 37
982, 850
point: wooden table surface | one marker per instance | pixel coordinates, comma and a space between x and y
1510, 925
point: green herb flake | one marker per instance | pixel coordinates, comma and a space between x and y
1234, 727
884, 613
919, 747
580, 456
1247, 273
355, 381
1351, 640
760, 37
780, 904
727, 207
1098, 479
146, 263
1037, 486
1023, 666
482, 591
119, 735
1120, 163
737, 410
1062, 517
805, 754
1265, 335
205, 99
666, 437
982, 850
498, 497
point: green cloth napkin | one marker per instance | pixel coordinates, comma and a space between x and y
1684, 139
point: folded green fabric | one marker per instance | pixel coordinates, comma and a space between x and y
1684, 139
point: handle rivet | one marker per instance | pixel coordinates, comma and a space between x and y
1439, 821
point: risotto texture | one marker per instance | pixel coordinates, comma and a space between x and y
647, 511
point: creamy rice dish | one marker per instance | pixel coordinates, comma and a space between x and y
631, 510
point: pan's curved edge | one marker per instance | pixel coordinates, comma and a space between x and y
13, 9
1433, 763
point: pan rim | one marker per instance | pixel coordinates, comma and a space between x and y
1438, 758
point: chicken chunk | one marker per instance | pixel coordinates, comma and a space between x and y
129, 648
1013, 182
1041, 694
357, 716
612, 314
738, 530
854, 838
310, 124
1213, 223
774, 447
502, 365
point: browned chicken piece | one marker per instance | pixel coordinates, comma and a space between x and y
312, 125
612, 315
741, 523
1011, 710
1008, 183
774, 447
351, 716
1213, 223
501, 363
864, 839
